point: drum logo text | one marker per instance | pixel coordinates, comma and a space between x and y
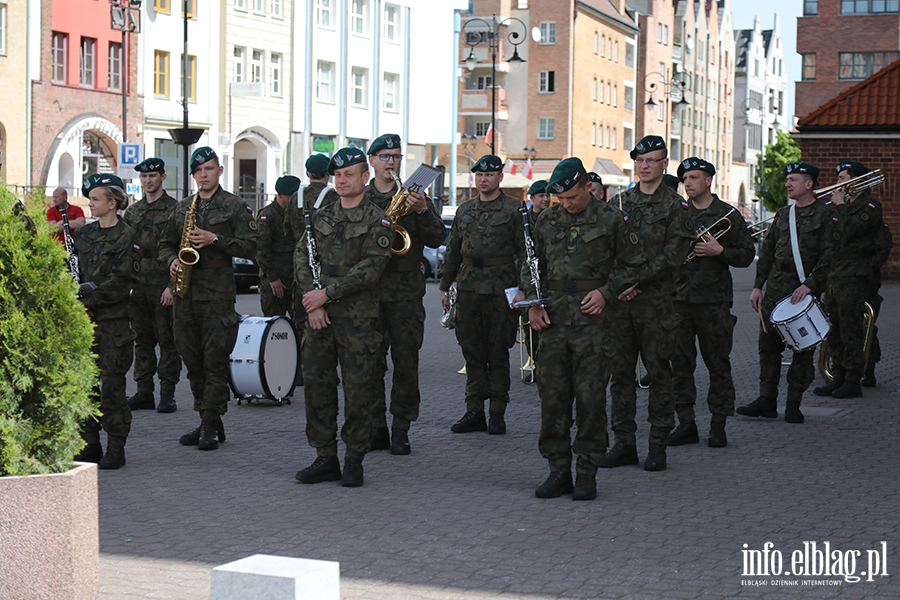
279, 335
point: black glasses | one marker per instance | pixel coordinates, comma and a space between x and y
389, 157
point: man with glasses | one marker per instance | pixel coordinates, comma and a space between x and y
402, 315
643, 321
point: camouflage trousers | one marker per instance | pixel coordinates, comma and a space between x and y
571, 366
485, 330
874, 299
801, 372
353, 344
205, 333
152, 322
298, 316
271, 305
844, 303
402, 326
712, 326
644, 326
113, 343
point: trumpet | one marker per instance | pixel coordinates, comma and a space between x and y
704, 232
398, 208
853, 186
761, 231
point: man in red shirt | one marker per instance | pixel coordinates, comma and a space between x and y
54, 214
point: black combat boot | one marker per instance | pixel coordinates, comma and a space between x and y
471, 421
585, 487
619, 455
114, 457
717, 438
209, 429
829, 388
761, 407
142, 401
557, 484
792, 412
353, 473
190, 438
497, 425
685, 433
166, 404
91, 453
850, 389
868, 379
324, 468
400, 441
381, 439
656, 458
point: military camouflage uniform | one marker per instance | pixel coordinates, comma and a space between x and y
151, 321
703, 301
848, 284
485, 249
883, 247
402, 316
662, 225
576, 254
819, 237
275, 256
111, 259
354, 245
206, 323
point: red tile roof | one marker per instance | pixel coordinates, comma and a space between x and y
871, 103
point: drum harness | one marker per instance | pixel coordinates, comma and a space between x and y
795, 244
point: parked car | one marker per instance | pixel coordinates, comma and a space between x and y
432, 257
246, 273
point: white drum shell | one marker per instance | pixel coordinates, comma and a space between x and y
265, 358
803, 325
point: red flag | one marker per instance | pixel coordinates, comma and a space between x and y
489, 134
512, 167
529, 171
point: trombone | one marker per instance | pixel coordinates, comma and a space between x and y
760, 231
703, 233
853, 186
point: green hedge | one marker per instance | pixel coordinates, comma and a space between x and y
47, 371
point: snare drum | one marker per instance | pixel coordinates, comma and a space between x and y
803, 325
265, 359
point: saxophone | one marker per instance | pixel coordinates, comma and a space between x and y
187, 255
398, 208
448, 319
72, 259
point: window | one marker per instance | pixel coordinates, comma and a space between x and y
666, 35
661, 110
616, 96
756, 67
616, 52
325, 82
608, 87
192, 76
523, 5
659, 33
238, 64
277, 9
389, 101
859, 65
629, 56
359, 87
86, 65
259, 6
481, 129
161, 73
255, 69
609, 48
114, 67
627, 138
59, 56
809, 67
594, 93
191, 8
596, 42
868, 6
593, 134
275, 73
780, 103
603, 46
545, 128
548, 32
754, 137
391, 19
240, 5
358, 143
546, 82
3, 14
614, 134
629, 102
358, 10
163, 6
323, 12
478, 83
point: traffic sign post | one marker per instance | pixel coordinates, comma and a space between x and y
130, 156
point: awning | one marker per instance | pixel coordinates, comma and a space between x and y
610, 173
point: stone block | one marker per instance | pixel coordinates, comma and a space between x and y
276, 578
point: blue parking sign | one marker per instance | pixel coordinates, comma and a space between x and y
130, 155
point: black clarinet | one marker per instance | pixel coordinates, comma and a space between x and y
314, 265
532, 260
72, 259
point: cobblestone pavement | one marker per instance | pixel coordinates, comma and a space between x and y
458, 518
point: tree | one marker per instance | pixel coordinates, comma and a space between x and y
784, 151
47, 371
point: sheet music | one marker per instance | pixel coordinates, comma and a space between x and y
421, 178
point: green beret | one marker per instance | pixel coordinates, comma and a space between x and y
538, 187
151, 165
202, 155
388, 141
671, 181
647, 144
803, 168
345, 157
317, 163
287, 185
594, 178
101, 180
488, 164
851, 165
566, 174
695, 164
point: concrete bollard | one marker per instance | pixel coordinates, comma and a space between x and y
276, 578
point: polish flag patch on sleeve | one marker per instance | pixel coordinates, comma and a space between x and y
626, 218
685, 205
386, 222
262, 218
136, 247
249, 210
834, 220
872, 206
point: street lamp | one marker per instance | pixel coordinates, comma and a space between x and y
125, 16
475, 34
669, 86
185, 136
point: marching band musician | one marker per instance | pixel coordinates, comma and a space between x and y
576, 241
848, 282
353, 239
540, 201
401, 318
151, 298
486, 246
206, 323
275, 252
598, 191
109, 258
818, 237
703, 301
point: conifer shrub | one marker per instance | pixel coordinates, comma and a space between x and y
47, 370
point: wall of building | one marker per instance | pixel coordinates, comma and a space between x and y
13, 80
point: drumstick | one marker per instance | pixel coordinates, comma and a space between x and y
761, 320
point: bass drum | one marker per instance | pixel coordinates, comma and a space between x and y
265, 359
803, 325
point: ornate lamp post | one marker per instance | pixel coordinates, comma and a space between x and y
669, 86
125, 16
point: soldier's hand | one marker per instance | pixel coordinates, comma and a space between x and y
445, 301
318, 319
200, 238
593, 303
167, 299
416, 202
838, 197
709, 247
538, 318
755, 298
629, 294
173, 268
314, 299
799, 294
277, 288
520, 295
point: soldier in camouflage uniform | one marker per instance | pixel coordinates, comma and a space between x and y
644, 321
402, 315
576, 242
598, 190
353, 239
484, 252
151, 299
109, 258
883, 247
703, 301
848, 283
275, 252
818, 236
206, 323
